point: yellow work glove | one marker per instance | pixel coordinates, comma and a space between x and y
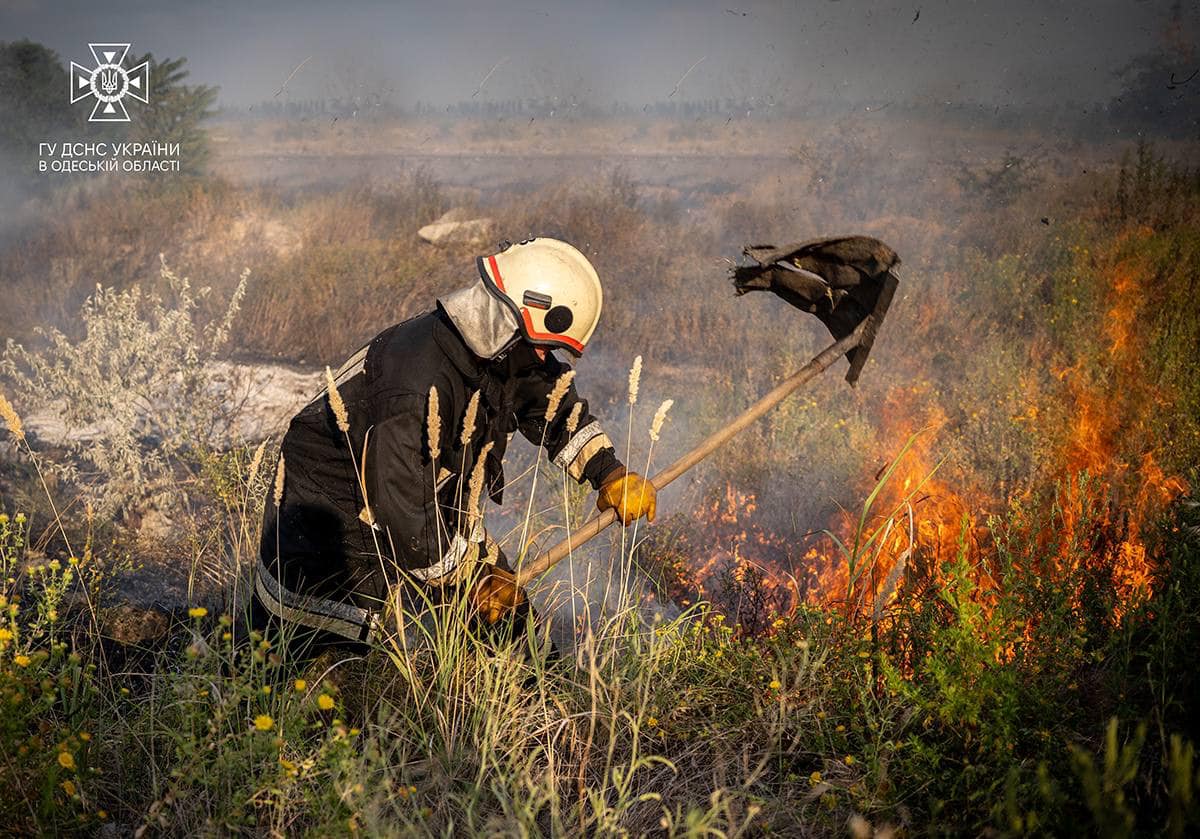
496, 594
631, 495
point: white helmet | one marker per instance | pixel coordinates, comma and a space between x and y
551, 288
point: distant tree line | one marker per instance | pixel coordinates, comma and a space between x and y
527, 107
1149, 105
1062, 118
356, 108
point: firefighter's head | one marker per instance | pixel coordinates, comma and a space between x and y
550, 288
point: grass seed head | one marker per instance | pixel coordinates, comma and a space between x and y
475, 489
11, 418
556, 395
659, 416
256, 462
279, 478
434, 423
573, 418
635, 378
889, 586
336, 403
468, 427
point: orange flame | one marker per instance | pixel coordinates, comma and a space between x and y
1086, 427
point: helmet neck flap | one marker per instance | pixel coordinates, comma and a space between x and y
487, 326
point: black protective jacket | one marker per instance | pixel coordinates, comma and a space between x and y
320, 544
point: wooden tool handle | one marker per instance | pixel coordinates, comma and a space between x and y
545, 560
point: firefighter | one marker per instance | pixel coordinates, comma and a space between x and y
365, 504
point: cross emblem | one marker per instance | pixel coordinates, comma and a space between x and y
110, 82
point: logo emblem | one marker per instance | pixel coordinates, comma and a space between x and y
110, 82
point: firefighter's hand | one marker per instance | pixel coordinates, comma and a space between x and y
631, 495
496, 594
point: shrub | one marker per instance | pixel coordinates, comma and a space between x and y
137, 394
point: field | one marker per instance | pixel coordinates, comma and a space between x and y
960, 598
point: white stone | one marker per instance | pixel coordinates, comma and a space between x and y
453, 228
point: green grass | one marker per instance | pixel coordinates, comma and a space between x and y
684, 727
452, 735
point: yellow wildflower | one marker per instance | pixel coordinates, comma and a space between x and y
102, 815
68, 787
266, 689
85, 736
5, 634
774, 684
325, 702
300, 685
197, 612
814, 778
849, 760
66, 760
21, 660
652, 722
263, 722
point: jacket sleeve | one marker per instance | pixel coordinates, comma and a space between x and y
402, 495
586, 453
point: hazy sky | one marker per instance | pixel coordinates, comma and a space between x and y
1004, 53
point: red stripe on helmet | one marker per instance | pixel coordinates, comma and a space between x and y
549, 336
496, 274
530, 332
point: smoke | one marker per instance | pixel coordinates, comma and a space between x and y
998, 53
